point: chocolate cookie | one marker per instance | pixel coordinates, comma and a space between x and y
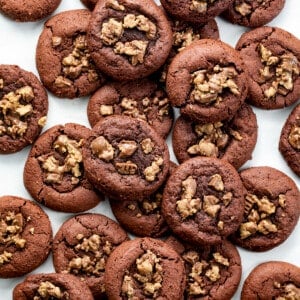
144, 269
29, 10
253, 13
203, 201
272, 209
129, 39
212, 272
207, 81
62, 57
23, 108
52, 286
82, 246
232, 140
143, 99
143, 217
125, 158
272, 280
54, 173
25, 236
272, 57
90, 4
289, 143
195, 11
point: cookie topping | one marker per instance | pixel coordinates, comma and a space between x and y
289, 291
114, 4
126, 168
101, 147
15, 107
201, 6
155, 167
279, 70
71, 150
243, 8
106, 110
184, 38
208, 86
127, 148
148, 275
294, 136
147, 145
48, 290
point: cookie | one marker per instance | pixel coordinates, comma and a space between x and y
82, 246
144, 268
272, 280
253, 13
232, 140
142, 218
212, 272
23, 108
63, 61
54, 173
289, 143
129, 39
143, 99
272, 57
25, 236
52, 286
195, 11
29, 10
125, 158
207, 81
90, 4
203, 201
272, 209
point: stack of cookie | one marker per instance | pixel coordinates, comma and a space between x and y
142, 65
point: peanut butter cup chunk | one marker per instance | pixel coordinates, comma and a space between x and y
62, 56
207, 81
125, 158
129, 39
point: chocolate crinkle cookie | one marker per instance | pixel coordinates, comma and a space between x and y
52, 286
144, 268
272, 280
272, 57
289, 143
63, 60
129, 39
25, 236
23, 108
54, 173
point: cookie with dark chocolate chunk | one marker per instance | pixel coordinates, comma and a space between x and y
207, 81
23, 108
144, 268
289, 143
25, 236
272, 57
129, 39
272, 209
54, 173
125, 158
82, 246
62, 57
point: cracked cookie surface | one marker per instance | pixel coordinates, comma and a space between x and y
54, 173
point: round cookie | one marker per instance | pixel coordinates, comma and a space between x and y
29, 10
232, 140
272, 280
23, 108
125, 158
90, 4
129, 39
144, 268
212, 272
62, 57
289, 143
25, 236
52, 286
195, 11
207, 81
272, 57
82, 246
272, 209
203, 201
54, 173
142, 218
143, 99
253, 13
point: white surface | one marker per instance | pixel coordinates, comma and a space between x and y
17, 46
